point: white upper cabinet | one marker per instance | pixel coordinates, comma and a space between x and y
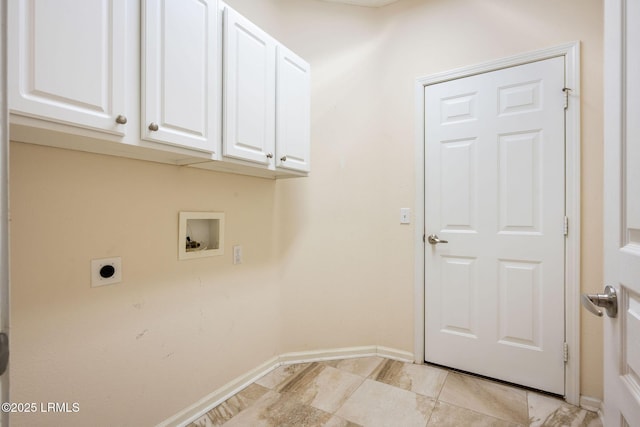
66, 62
249, 90
266, 98
186, 82
180, 73
293, 140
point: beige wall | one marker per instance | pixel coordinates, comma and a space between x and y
171, 332
363, 155
326, 263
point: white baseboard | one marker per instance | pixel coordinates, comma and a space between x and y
345, 353
392, 353
330, 354
215, 398
592, 404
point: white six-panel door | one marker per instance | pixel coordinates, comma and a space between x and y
495, 189
622, 212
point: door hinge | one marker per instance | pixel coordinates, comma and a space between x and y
566, 91
565, 352
565, 229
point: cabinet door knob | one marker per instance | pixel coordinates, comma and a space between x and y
269, 155
153, 127
121, 120
283, 158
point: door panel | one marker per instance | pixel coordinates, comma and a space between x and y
519, 197
520, 311
459, 316
494, 153
459, 209
622, 212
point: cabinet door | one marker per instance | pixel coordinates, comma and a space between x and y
67, 61
292, 111
249, 91
179, 103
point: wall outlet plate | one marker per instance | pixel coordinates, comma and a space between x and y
106, 271
237, 254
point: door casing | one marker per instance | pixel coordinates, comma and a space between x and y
4, 203
571, 52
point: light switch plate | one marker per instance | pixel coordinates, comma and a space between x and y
405, 216
237, 254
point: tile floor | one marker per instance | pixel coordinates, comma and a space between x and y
373, 391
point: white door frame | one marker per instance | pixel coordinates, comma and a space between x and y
571, 52
4, 202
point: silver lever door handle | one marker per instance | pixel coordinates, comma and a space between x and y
434, 240
589, 305
608, 301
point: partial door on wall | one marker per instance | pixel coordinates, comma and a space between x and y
622, 213
4, 208
494, 217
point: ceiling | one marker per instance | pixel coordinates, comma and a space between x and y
366, 3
